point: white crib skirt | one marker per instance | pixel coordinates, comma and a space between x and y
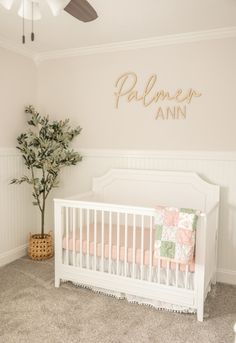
68, 258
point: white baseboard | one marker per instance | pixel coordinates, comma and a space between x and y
226, 276
12, 255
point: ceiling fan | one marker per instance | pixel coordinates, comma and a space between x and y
30, 9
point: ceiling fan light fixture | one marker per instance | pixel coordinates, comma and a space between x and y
7, 4
30, 10
25, 10
57, 6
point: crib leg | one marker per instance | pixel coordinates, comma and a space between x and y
200, 313
57, 282
200, 299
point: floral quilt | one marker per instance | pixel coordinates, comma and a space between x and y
175, 233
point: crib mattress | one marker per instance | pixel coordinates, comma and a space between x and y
89, 241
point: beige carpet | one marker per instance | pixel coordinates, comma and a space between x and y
32, 310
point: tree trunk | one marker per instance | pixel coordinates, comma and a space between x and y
43, 218
42, 222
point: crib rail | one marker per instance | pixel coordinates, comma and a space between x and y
116, 240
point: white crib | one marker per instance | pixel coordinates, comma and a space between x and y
104, 239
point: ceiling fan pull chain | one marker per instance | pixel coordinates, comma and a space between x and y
23, 22
32, 33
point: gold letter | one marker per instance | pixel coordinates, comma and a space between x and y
160, 113
133, 95
162, 95
193, 93
120, 84
151, 82
181, 111
172, 113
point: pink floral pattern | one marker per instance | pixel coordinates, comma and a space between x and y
175, 233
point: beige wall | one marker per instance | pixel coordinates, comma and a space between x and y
18, 78
82, 88
18, 81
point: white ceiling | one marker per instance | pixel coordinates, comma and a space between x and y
119, 20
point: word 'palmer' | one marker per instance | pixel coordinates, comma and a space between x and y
126, 88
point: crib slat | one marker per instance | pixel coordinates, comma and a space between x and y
118, 244
150, 250
126, 230
134, 245
95, 241
88, 243
67, 235
159, 270
102, 248
168, 273
186, 277
142, 244
110, 241
80, 236
176, 274
73, 230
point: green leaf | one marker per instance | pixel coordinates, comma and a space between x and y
45, 148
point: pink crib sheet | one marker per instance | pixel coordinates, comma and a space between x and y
138, 252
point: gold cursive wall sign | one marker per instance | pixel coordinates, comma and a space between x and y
126, 88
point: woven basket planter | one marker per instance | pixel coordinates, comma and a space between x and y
40, 248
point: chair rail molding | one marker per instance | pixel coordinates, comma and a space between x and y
170, 154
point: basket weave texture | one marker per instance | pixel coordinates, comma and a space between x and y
40, 248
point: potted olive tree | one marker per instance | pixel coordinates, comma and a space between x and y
45, 148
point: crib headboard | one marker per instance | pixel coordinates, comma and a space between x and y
150, 188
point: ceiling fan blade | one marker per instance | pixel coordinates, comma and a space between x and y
81, 10
7, 4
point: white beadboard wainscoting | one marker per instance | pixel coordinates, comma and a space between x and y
17, 214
